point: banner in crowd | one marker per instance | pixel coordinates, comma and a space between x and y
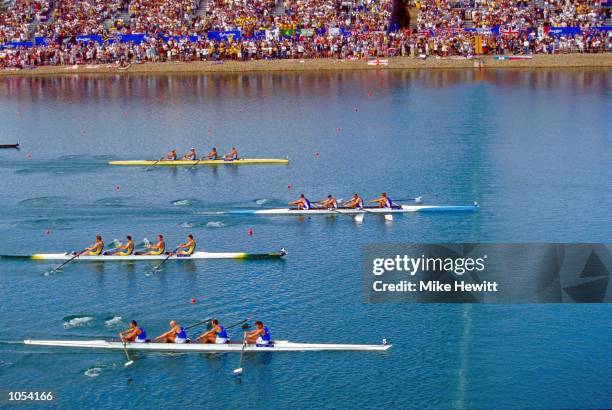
563, 31
16, 44
224, 35
275, 34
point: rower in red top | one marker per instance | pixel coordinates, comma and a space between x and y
356, 202
171, 156
302, 203
191, 155
384, 201
232, 156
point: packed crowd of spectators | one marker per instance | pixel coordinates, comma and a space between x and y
344, 29
78, 17
15, 21
582, 13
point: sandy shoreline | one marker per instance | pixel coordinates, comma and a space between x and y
538, 61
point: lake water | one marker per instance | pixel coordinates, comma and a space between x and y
531, 146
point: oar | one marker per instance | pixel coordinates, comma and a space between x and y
197, 163
197, 324
155, 163
130, 361
388, 217
115, 243
358, 217
238, 371
77, 254
417, 199
245, 326
164, 261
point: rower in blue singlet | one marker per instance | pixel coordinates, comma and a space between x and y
232, 156
384, 201
176, 334
302, 203
260, 336
134, 334
217, 334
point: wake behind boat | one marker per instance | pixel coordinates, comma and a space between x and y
275, 346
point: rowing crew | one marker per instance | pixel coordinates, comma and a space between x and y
127, 249
356, 202
193, 156
177, 334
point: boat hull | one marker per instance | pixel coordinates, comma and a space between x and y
9, 146
347, 211
277, 346
184, 163
132, 258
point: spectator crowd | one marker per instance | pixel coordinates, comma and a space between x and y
273, 29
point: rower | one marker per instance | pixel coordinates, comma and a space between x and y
213, 154
187, 248
125, 250
95, 249
232, 156
159, 248
356, 202
191, 155
259, 336
134, 334
329, 203
176, 334
302, 203
384, 201
171, 156
217, 334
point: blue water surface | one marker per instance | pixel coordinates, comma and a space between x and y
531, 146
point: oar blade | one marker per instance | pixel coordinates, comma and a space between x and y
238, 371
359, 218
128, 364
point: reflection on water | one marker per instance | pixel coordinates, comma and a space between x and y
175, 88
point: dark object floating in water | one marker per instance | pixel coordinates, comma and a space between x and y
16, 146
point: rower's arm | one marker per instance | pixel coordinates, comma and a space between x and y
165, 334
205, 334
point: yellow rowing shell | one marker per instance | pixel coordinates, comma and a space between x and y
183, 163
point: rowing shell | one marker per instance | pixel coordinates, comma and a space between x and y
8, 146
276, 346
352, 211
114, 258
179, 163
